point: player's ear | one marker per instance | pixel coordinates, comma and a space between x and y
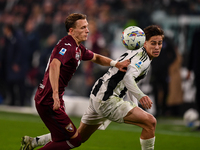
71, 30
145, 43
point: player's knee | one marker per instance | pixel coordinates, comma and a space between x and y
151, 123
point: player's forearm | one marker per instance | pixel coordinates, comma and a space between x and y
102, 60
132, 86
54, 72
105, 61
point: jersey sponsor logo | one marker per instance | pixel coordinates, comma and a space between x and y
138, 65
62, 51
70, 127
68, 44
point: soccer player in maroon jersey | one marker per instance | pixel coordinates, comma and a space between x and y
63, 62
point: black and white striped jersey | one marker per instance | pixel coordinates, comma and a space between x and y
116, 83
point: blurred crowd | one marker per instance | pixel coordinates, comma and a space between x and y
31, 28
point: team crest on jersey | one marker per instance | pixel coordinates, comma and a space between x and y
138, 65
78, 54
70, 127
62, 51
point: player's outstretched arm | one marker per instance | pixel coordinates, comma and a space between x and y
105, 61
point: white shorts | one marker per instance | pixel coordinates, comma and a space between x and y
103, 112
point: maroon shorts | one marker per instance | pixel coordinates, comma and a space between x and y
58, 122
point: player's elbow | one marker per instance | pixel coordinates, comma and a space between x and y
55, 64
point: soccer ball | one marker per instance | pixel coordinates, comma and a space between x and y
133, 38
190, 117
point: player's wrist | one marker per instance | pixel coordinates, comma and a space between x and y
55, 92
113, 63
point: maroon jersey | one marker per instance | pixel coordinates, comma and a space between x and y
70, 56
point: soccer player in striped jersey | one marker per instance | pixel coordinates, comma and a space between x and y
106, 99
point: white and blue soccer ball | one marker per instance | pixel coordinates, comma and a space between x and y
190, 117
133, 38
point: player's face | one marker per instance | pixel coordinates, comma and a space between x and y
80, 32
153, 46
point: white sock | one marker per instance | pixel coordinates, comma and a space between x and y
147, 144
41, 140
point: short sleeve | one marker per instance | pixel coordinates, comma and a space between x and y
62, 53
87, 54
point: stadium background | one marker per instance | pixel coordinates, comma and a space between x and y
41, 23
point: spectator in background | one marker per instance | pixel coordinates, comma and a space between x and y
58, 27
45, 29
160, 76
48, 8
2, 5
36, 14
193, 65
45, 54
105, 24
33, 42
2, 73
15, 64
4, 19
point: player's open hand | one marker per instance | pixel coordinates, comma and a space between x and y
122, 66
56, 104
146, 102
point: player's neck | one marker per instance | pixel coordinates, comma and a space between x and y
75, 39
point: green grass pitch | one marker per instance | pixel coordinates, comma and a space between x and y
169, 135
